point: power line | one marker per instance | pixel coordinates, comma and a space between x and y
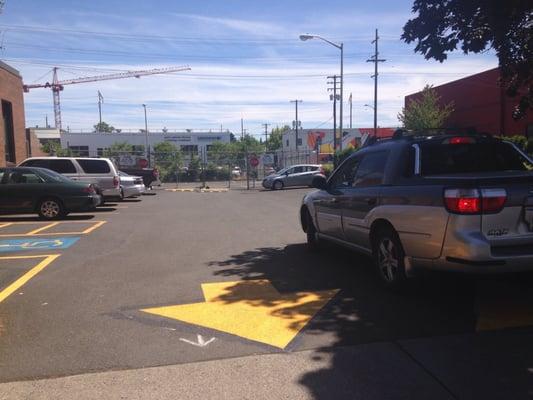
194, 39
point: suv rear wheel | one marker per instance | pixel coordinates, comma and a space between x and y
51, 209
313, 242
389, 258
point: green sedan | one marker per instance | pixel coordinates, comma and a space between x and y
45, 192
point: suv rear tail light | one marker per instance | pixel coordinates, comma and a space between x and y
116, 182
473, 201
493, 200
89, 189
462, 201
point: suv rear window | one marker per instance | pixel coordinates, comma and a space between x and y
95, 166
480, 156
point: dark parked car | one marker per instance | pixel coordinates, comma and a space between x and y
42, 191
446, 202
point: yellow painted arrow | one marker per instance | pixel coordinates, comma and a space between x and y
251, 309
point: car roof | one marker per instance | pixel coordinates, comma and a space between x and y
67, 158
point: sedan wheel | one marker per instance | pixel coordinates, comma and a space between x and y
51, 209
278, 185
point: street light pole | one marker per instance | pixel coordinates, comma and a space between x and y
146, 152
339, 46
342, 88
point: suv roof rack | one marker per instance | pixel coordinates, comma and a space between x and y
409, 134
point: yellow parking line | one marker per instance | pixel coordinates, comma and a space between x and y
5, 293
42, 228
95, 226
39, 231
4, 224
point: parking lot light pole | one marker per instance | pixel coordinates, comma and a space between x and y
339, 46
146, 151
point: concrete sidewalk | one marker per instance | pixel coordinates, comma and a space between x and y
489, 366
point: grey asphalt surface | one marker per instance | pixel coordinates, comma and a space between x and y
81, 314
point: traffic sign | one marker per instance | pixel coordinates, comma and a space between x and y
254, 161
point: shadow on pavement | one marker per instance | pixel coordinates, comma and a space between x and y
31, 218
363, 311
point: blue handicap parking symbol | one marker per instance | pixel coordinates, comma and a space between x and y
36, 244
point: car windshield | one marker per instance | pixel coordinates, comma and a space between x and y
52, 176
477, 157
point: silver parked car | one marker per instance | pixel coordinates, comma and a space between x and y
295, 175
130, 186
461, 203
98, 171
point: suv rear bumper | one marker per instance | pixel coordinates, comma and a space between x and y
114, 192
492, 265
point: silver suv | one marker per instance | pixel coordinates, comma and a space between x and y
295, 175
462, 203
98, 171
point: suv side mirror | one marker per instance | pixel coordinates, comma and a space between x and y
320, 182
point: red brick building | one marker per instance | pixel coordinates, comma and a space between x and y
15, 143
480, 103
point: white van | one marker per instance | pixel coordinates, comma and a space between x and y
98, 171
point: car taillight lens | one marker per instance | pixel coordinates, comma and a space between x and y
473, 201
493, 200
462, 201
89, 189
116, 181
460, 140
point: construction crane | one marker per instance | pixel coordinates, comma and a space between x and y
57, 85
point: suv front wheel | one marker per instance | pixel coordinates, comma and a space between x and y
389, 257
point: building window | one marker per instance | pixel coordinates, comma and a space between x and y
189, 148
79, 151
9, 131
287, 145
299, 141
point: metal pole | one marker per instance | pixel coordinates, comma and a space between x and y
342, 88
376, 87
146, 151
334, 116
350, 111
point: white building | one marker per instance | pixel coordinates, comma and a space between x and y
94, 144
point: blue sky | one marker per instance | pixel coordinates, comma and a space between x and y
245, 56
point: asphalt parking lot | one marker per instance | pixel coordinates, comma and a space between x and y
182, 277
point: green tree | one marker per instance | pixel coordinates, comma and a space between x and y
426, 112
55, 149
168, 159
118, 148
104, 127
275, 140
476, 25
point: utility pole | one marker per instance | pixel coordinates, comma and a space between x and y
100, 101
374, 59
242, 129
350, 111
266, 135
296, 122
334, 97
146, 150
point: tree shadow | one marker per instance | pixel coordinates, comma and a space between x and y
363, 312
